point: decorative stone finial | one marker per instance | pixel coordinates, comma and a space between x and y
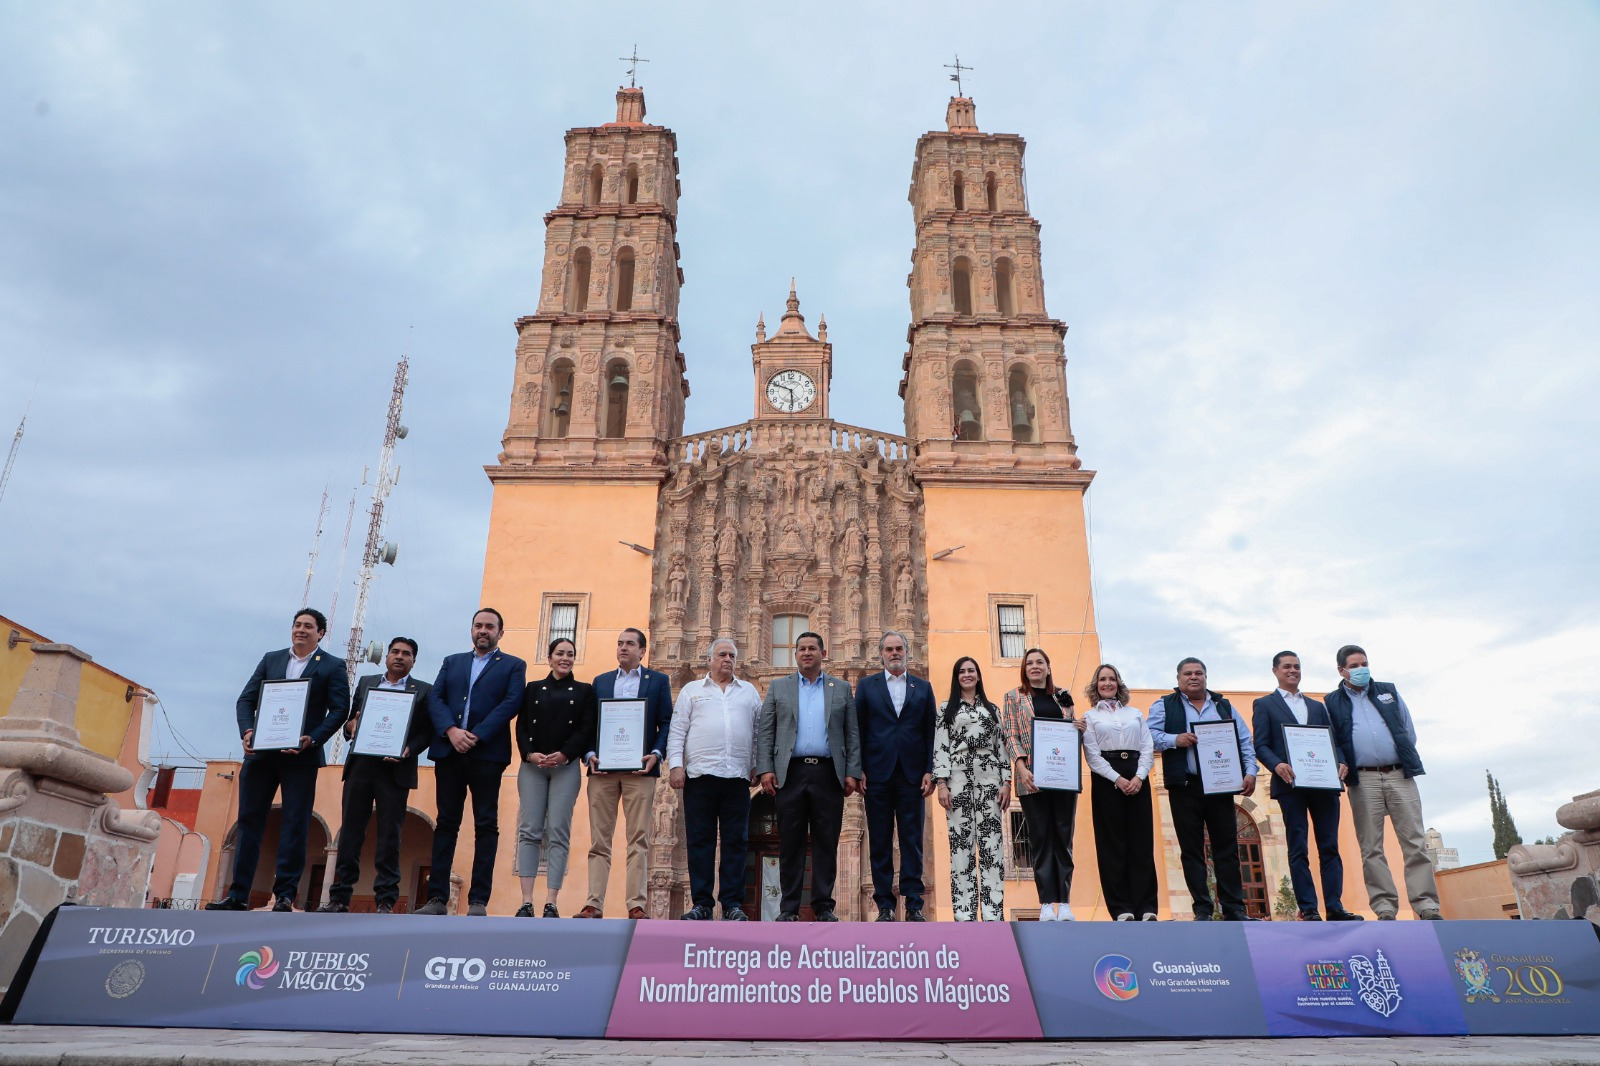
822, 327
962, 115
630, 106
794, 301
761, 327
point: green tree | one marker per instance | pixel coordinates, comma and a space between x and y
1286, 905
1505, 829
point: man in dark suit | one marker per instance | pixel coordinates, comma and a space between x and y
808, 754
1286, 707
896, 712
382, 782
634, 790
293, 771
470, 708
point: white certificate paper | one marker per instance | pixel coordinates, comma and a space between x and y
1217, 750
1056, 763
280, 715
384, 719
1310, 752
620, 743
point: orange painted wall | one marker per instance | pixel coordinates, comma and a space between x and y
1482, 890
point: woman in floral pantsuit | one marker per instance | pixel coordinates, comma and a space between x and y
974, 778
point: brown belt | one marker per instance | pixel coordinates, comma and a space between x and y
1379, 769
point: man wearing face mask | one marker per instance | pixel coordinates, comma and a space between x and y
1374, 725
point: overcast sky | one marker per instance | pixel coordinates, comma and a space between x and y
1330, 273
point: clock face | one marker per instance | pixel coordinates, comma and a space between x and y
790, 391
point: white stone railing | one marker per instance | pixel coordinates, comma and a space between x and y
816, 434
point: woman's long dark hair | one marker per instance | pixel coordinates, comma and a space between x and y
955, 690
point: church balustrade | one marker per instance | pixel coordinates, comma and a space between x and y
820, 434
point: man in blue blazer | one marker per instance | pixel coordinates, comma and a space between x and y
634, 789
1286, 706
472, 703
896, 713
293, 771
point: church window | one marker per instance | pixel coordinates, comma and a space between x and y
597, 182
1024, 413
968, 411
1012, 623
578, 281
991, 192
558, 417
961, 285
1004, 290
616, 386
785, 628
562, 614
958, 190
624, 280
563, 623
633, 183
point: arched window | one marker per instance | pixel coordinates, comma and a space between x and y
1251, 871
616, 386
1024, 413
597, 182
624, 301
968, 411
959, 191
961, 285
633, 183
578, 281
991, 192
1004, 291
558, 415
785, 628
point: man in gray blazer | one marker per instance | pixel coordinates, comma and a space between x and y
808, 755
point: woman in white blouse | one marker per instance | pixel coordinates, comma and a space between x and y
1117, 744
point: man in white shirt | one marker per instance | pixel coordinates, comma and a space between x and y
711, 756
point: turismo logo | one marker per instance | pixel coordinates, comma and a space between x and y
1114, 977
256, 968
125, 979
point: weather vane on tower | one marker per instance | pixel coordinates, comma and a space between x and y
633, 62
956, 77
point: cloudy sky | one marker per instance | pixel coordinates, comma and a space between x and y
1330, 270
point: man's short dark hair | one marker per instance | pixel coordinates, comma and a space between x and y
644, 641
1347, 651
1282, 655
315, 615
814, 636
407, 641
499, 620
1191, 659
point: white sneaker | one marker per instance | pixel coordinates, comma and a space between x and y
1063, 913
1149, 917
1047, 912
1124, 917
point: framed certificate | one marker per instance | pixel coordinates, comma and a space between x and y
619, 743
1055, 760
1217, 751
1309, 749
384, 719
280, 715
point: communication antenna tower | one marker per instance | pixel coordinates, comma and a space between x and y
344, 550
11, 457
316, 538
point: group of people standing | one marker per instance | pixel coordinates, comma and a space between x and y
810, 742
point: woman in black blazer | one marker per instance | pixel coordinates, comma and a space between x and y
554, 728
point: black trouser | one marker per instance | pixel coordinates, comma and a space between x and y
259, 779
455, 776
896, 803
713, 805
1323, 809
1124, 840
1050, 814
369, 783
810, 803
1196, 816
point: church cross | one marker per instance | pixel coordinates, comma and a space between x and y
633, 62
956, 77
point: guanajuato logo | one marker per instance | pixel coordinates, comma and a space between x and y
1114, 977
308, 971
125, 979
1337, 983
1524, 978
1474, 973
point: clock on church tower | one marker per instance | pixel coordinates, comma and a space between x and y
792, 367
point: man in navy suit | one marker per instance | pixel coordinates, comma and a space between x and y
634, 789
293, 771
471, 704
1285, 707
896, 713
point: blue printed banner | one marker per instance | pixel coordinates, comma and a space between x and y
1524, 977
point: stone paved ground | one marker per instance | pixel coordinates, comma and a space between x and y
27, 1045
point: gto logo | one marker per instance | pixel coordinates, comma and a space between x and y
440, 968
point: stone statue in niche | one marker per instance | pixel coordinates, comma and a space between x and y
855, 546
728, 545
791, 540
677, 575
903, 586
758, 537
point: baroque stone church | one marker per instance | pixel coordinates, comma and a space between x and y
789, 520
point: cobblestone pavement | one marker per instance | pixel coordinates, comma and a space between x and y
28, 1045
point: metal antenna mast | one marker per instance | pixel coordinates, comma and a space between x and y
378, 550
344, 550
316, 538
11, 457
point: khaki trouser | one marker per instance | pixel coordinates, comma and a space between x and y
636, 794
1394, 794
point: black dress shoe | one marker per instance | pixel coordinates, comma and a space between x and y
734, 914
1310, 916
385, 907
227, 903
1343, 915
524, 911
697, 913
788, 916
550, 911
1202, 916
282, 905
826, 916
915, 916
333, 906
1431, 916
886, 914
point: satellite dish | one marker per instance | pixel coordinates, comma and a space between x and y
387, 553
372, 653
